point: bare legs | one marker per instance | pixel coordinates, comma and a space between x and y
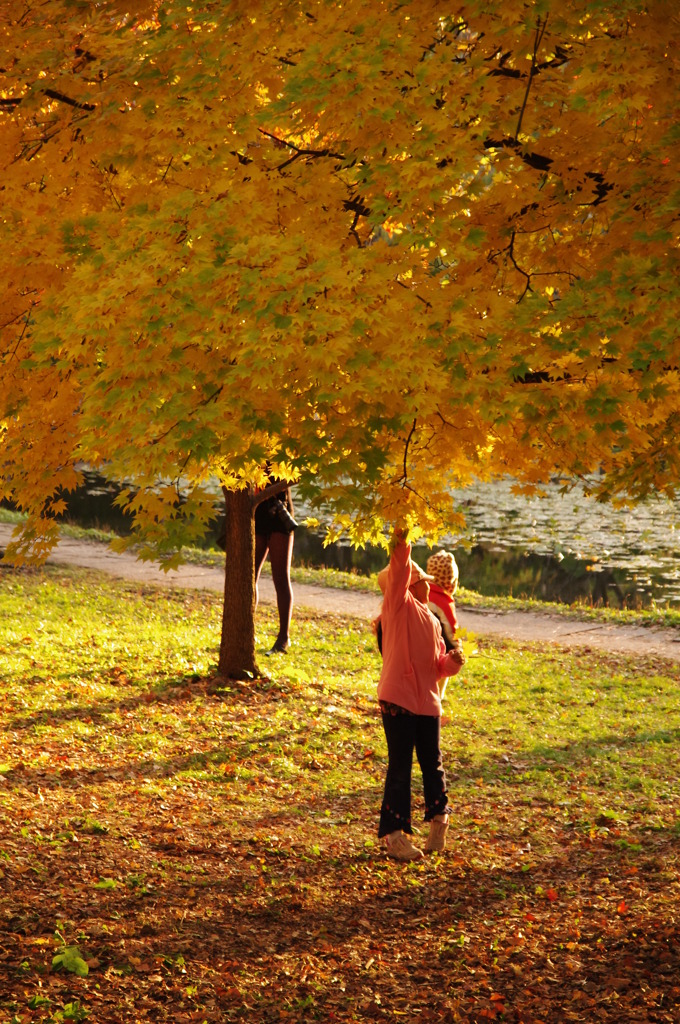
280, 549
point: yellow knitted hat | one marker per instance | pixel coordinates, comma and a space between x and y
443, 568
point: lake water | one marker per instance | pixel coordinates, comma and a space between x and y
560, 547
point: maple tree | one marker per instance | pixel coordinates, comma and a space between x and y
383, 249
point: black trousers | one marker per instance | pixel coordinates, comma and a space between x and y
404, 734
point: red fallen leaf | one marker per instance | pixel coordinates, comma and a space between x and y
551, 894
530, 917
618, 983
142, 966
622, 908
496, 997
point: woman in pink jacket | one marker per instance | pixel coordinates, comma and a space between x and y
414, 659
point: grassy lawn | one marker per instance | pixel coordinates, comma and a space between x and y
170, 853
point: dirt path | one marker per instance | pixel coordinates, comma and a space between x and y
525, 626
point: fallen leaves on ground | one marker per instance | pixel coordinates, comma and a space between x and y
175, 854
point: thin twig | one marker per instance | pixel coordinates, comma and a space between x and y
540, 29
425, 302
12, 355
353, 231
167, 168
408, 441
204, 401
53, 94
298, 151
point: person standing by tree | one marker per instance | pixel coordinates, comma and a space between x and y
274, 529
414, 659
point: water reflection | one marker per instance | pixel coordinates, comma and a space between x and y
563, 547
495, 571
629, 555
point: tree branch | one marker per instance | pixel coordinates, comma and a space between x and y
425, 302
540, 30
12, 355
278, 487
298, 152
165, 172
204, 401
54, 95
404, 475
353, 230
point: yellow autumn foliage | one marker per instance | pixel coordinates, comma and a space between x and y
376, 245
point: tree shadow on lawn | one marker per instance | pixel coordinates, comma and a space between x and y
249, 751
167, 693
146, 769
507, 767
285, 926
580, 940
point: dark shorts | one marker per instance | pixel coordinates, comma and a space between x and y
265, 522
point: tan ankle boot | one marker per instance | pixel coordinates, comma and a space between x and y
436, 840
400, 847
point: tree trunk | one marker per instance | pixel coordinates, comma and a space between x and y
237, 645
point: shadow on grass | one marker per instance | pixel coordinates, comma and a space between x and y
340, 927
544, 760
510, 769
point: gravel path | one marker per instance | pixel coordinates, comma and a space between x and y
525, 626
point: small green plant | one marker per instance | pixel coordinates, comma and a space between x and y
69, 957
137, 883
92, 826
36, 1001
176, 963
73, 1011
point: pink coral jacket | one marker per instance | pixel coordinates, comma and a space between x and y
414, 655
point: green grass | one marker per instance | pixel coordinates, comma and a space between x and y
211, 850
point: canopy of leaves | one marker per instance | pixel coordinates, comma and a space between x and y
387, 247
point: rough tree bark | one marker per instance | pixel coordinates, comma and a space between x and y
237, 644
